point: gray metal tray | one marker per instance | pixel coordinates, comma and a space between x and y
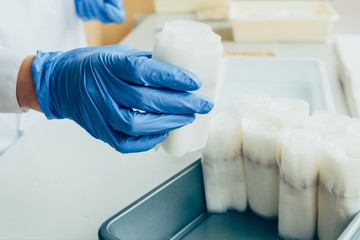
177, 210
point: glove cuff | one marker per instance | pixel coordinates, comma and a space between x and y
42, 69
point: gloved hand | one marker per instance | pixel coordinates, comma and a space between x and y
107, 11
103, 89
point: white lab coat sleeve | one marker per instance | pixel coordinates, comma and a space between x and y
10, 61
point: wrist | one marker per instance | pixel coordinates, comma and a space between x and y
25, 86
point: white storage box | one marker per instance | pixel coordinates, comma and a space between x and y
282, 21
176, 6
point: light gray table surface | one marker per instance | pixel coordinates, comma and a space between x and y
57, 182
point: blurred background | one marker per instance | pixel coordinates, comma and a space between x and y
105, 34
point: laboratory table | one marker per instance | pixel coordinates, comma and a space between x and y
57, 182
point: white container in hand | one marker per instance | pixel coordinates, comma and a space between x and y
195, 47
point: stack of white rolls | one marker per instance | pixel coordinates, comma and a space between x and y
223, 165
222, 161
300, 152
270, 153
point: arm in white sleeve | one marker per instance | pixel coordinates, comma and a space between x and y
10, 62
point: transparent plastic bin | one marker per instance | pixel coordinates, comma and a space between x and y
282, 21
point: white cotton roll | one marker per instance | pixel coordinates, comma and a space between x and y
299, 168
195, 47
225, 137
261, 136
292, 112
327, 123
353, 126
215, 176
251, 104
223, 165
339, 186
300, 157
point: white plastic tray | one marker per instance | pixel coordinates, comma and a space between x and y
285, 21
304, 78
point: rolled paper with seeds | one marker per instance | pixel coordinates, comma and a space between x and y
261, 140
195, 47
299, 168
339, 184
327, 123
223, 165
250, 104
292, 112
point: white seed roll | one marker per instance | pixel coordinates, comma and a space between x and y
327, 123
223, 165
225, 137
353, 126
292, 112
251, 104
298, 184
261, 136
339, 187
195, 47
300, 157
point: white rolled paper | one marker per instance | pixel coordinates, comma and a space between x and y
261, 136
251, 104
339, 186
327, 123
223, 165
195, 47
299, 168
292, 112
353, 126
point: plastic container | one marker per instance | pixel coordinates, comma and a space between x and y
176, 6
282, 21
301, 77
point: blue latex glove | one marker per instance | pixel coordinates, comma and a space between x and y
107, 11
100, 88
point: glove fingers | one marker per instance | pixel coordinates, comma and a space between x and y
115, 11
130, 144
117, 49
154, 100
142, 70
136, 123
99, 128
